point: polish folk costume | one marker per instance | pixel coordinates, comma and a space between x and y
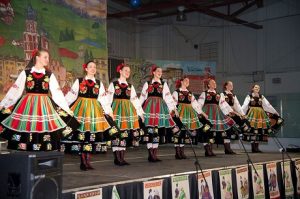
257, 108
126, 109
88, 102
157, 103
217, 109
34, 124
238, 116
188, 109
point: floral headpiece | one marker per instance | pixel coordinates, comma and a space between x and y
120, 67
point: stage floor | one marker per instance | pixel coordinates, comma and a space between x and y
107, 173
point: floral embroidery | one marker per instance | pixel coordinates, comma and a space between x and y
217, 97
150, 89
87, 147
208, 97
96, 89
36, 147
82, 87
30, 82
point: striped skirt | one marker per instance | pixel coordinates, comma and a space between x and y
125, 114
258, 118
89, 113
157, 113
219, 121
188, 116
34, 124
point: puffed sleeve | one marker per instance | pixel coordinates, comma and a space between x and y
245, 106
168, 97
201, 100
224, 106
268, 107
102, 98
196, 105
144, 93
175, 97
72, 95
110, 93
237, 106
15, 91
57, 95
136, 102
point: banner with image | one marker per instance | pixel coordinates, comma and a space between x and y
206, 191
153, 189
242, 182
258, 182
297, 165
89, 194
226, 184
272, 180
287, 177
180, 187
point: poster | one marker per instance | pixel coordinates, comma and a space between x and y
258, 182
205, 190
153, 189
180, 187
226, 184
272, 180
89, 194
242, 182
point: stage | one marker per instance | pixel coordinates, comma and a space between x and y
107, 174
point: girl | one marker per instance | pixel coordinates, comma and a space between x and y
237, 115
257, 108
158, 106
88, 102
126, 109
217, 109
188, 109
34, 124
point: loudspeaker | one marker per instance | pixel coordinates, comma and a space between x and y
31, 175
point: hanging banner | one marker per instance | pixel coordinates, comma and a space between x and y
115, 194
242, 182
180, 187
272, 180
205, 190
258, 182
225, 183
153, 189
286, 175
90, 194
297, 165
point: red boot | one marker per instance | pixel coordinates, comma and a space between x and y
88, 161
83, 165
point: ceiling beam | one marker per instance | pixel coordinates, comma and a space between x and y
246, 7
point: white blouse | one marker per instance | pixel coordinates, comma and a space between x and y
236, 104
224, 106
194, 102
72, 95
265, 105
166, 95
16, 91
133, 97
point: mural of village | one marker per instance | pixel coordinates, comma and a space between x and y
28, 25
199, 72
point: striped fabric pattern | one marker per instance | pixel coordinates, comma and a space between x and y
219, 121
90, 114
258, 118
125, 114
35, 114
188, 116
157, 113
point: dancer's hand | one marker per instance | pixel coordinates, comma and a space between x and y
142, 118
1, 107
204, 115
176, 113
111, 114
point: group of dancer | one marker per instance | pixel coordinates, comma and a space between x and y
37, 122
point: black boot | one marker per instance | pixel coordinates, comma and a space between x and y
256, 147
177, 153
155, 152
228, 149
183, 156
122, 156
207, 151
151, 156
211, 149
88, 161
83, 165
117, 160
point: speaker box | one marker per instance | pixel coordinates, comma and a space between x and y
31, 175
